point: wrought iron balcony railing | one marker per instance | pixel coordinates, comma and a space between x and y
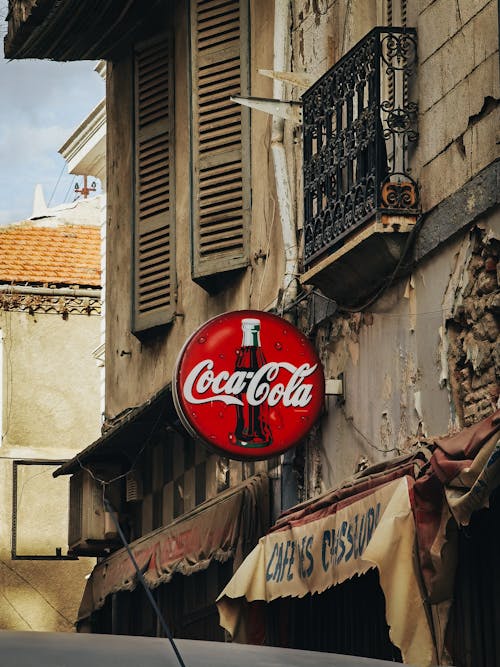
358, 125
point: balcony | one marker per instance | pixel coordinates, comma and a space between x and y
360, 200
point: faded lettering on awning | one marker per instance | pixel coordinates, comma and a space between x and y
373, 529
218, 529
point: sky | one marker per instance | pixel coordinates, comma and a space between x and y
41, 104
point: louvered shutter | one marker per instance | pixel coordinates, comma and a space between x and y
154, 279
220, 136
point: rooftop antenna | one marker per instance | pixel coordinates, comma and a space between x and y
86, 190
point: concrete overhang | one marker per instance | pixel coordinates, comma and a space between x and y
128, 434
85, 150
64, 30
364, 261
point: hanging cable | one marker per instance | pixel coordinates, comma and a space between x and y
57, 183
412, 236
140, 576
70, 187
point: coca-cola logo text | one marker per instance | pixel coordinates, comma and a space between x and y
248, 384
225, 386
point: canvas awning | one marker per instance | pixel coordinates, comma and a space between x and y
312, 552
400, 517
122, 441
218, 529
468, 464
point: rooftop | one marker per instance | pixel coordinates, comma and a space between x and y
64, 255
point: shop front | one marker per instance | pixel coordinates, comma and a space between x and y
184, 564
371, 568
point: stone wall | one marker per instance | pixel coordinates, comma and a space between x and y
473, 328
458, 95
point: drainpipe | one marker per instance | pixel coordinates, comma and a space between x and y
288, 490
283, 190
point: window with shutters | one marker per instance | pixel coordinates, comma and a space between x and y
220, 137
154, 222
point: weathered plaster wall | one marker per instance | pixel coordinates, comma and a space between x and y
136, 369
422, 361
50, 381
323, 30
50, 384
410, 360
376, 354
42, 595
391, 355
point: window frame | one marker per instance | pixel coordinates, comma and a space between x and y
58, 556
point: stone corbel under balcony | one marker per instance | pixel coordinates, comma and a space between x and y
351, 273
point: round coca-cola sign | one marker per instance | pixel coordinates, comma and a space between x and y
248, 384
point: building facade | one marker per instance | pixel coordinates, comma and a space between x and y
336, 164
49, 320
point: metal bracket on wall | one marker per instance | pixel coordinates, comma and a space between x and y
289, 110
336, 387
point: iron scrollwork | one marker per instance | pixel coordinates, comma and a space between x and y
359, 122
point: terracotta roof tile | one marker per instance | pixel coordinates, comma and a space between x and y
64, 255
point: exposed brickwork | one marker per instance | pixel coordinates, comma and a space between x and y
474, 353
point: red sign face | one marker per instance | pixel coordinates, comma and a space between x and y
248, 384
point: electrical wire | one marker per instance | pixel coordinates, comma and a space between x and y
57, 183
29, 479
267, 252
24, 620
380, 290
69, 189
104, 482
112, 512
26, 581
282, 309
387, 283
140, 576
350, 420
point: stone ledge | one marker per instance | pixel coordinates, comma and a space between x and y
63, 306
459, 210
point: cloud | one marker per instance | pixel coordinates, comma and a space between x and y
29, 145
42, 103
44, 91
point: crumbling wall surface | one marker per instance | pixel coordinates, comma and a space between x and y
472, 316
393, 358
324, 30
377, 417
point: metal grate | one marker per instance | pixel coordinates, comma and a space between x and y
358, 125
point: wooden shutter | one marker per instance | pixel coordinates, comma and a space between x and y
220, 136
154, 280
